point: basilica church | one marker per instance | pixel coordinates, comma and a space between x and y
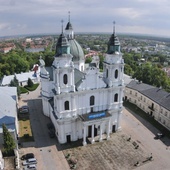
81, 101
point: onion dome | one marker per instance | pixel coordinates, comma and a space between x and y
62, 46
76, 50
113, 44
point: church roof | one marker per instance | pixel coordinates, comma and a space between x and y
76, 50
113, 44
78, 77
114, 40
62, 40
69, 26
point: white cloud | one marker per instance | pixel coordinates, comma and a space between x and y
130, 13
4, 26
32, 16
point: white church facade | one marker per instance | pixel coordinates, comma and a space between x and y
83, 102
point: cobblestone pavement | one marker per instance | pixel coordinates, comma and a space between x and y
116, 153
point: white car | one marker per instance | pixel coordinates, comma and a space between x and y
33, 167
29, 162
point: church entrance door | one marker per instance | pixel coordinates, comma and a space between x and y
68, 138
89, 131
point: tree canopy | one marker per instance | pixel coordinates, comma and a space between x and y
9, 143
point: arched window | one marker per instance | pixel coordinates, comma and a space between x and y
107, 73
116, 74
116, 98
65, 79
66, 105
91, 100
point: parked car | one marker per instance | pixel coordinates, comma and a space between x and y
27, 156
24, 109
29, 162
159, 135
32, 166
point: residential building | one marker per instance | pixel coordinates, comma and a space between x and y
83, 102
22, 77
152, 100
8, 111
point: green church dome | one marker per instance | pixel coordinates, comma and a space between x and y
76, 50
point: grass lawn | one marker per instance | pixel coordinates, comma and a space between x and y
25, 132
32, 88
23, 90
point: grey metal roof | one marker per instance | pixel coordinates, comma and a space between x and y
22, 77
8, 98
165, 102
78, 77
138, 86
127, 79
155, 94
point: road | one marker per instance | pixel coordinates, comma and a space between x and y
44, 148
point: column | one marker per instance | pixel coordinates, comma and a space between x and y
118, 120
92, 141
101, 132
108, 130
84, 136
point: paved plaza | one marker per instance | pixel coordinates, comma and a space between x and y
119, 152
116, 153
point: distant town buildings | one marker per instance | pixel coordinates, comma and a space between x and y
6, 47
36, 44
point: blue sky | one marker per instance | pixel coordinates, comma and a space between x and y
44, 16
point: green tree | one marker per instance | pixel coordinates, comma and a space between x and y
101, 61
88, 60
30, 83
15, 83
128, 70
9, 143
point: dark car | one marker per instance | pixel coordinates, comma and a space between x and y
27, 156
159, 136
24, 109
